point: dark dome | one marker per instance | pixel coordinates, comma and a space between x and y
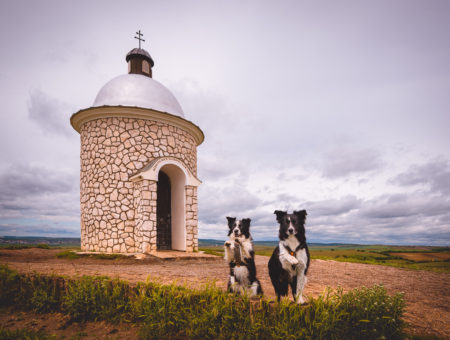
139, 52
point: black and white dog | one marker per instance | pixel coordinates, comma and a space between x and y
241, 258
289, 262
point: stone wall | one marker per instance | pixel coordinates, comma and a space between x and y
191, 219
112, 149
145, 195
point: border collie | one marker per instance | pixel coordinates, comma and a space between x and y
241, 258
289, 262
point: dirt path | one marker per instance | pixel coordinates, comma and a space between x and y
427, 293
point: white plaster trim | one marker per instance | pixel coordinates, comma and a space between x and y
86, 115
151, 170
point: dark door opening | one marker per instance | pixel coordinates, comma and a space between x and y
163, 213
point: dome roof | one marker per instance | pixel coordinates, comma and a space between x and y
140, 52
139, 91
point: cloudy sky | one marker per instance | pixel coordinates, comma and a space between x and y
341, 108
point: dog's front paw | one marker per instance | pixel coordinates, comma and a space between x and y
227, 244
238, 241
293, 261
300, 300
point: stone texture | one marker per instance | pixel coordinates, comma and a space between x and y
116, 214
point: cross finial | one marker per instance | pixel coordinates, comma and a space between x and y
139, 37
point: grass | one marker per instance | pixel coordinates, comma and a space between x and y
170, 311
25, 246
24, 334
72, 255
393, 257
415, 258
213, 251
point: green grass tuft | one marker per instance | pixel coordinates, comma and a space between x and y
68, 254
72, 255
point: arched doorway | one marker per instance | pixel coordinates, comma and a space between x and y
164, 213
177, 182
173, 175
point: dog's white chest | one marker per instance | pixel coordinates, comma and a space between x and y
302, 257
292, 262
241, 275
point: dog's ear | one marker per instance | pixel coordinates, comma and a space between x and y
301, 215
245, 229
231, 221
280, 214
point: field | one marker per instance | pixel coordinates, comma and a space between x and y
425, 292
408, 257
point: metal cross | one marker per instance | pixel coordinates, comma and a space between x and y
139, 38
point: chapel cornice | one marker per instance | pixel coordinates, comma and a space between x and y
92, 113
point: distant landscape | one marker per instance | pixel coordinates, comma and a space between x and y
410, 257
6, 241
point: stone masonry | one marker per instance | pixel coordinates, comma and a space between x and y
118, 215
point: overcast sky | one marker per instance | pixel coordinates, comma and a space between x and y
341, 108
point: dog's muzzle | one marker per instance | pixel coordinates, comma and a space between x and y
291, 231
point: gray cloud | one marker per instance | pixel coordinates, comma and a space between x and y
334, 206
219, 202
35, 191
344, 160
50, 114
20, 180
405, 205
414, 218
434, 174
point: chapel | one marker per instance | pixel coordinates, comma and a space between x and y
138, 176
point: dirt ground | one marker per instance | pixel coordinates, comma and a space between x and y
427, 293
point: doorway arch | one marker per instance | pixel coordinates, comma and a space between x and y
183, 202
163, 213
177, 182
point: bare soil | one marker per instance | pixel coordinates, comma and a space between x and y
427, 294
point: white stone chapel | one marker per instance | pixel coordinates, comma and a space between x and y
138, 179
